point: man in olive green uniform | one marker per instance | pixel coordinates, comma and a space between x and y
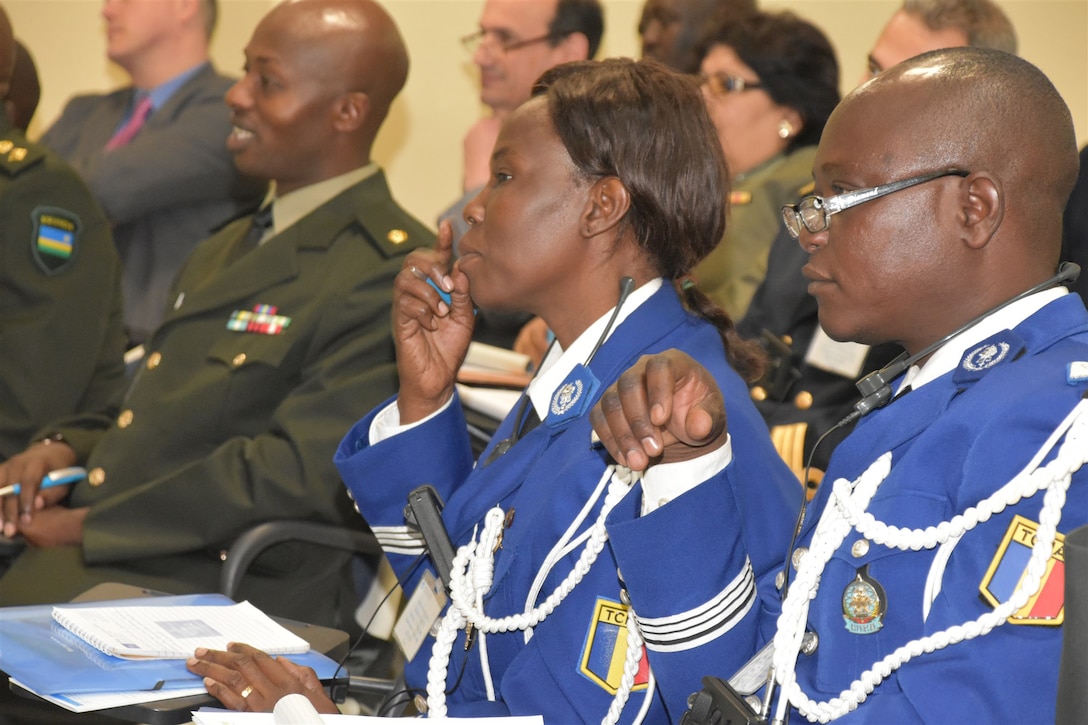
61, 335
277, 337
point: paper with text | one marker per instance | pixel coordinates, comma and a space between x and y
175, 632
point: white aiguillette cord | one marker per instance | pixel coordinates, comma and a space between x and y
471, 578
846, 511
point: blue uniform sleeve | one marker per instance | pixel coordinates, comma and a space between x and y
690, 580
380, 477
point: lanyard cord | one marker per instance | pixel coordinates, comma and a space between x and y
471, 578
846, 510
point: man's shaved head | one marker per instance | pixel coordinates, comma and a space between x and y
353, 45
990, 110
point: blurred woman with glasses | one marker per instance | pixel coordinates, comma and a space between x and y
769, 81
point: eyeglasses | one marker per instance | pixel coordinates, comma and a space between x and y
814, 212
721, 85
498, 41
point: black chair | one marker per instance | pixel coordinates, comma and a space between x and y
250, 544
247, 547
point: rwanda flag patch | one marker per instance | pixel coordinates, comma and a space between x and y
1047, 605
605, 648
55, 239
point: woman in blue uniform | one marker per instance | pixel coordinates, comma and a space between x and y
606, 188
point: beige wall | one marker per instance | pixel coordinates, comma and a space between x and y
420, 144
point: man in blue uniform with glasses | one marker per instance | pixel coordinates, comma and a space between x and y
930, 565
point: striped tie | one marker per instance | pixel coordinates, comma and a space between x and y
126, 133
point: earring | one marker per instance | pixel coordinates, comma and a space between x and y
785, 129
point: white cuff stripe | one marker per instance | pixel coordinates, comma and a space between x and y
713, 617
699, 641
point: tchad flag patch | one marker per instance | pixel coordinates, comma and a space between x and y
55, 238
605, 648
1046, 606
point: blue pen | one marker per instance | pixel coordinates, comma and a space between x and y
441, 292
444, 294
59, 477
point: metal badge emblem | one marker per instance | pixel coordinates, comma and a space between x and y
864, 604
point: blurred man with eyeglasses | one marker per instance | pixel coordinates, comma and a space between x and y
516, 41
920, 26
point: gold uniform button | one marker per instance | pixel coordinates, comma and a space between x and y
860, 548
153, 360
96, 477
239, 360
125, 419
759, 393
803, 401
787, 339
397, 236
798, 556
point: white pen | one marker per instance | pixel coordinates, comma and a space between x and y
59, 477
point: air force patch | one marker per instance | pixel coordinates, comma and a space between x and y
55, 238
1047, 605
605, 648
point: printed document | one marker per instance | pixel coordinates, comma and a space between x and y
174, 632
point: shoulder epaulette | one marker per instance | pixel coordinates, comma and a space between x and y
18, 157
394, 232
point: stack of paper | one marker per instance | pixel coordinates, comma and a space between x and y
490, 366
174, 632
46, 659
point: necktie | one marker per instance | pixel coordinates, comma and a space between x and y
258, 225
126, 133
262, 222
532, 420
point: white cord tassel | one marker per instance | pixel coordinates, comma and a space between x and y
630, 670
472, 575
846, 510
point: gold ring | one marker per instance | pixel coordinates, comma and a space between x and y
246, 692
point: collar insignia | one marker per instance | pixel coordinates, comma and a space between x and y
999, 349
573, 396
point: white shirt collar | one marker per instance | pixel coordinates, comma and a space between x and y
949, 355
558, 363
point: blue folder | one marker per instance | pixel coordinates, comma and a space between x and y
47, 658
